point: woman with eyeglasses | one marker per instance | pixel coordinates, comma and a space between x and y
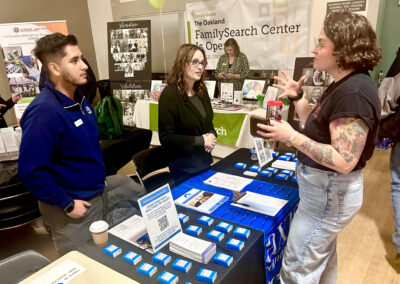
185, 115
233, 66
338, 138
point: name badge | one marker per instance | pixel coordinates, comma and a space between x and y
78, 123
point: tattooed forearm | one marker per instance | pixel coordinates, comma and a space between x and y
351, 134
320, 153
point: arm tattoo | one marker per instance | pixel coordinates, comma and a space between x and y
351, 134
319, 152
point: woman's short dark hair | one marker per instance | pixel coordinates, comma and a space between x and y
354, 40
52, 47
233, 43
177, 75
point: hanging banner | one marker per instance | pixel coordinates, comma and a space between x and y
129, 57
272, 33
23, 69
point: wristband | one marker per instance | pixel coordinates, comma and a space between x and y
299, 96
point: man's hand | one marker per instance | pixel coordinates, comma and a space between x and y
2, 105
79, 209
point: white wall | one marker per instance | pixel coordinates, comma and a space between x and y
100, 14
102, 11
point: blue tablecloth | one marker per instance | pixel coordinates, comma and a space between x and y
275, 228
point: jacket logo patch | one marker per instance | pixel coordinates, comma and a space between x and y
88, 110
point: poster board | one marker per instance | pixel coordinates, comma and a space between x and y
22, 68
314, 85
129, 46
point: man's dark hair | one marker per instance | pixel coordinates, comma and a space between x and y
52, 47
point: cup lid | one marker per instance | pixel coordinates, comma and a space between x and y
98, 226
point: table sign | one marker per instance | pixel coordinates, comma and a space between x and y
227, 92
160, 216
264, 155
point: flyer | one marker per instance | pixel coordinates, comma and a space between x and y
200, 200
160, 216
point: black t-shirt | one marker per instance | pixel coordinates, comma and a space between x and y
356, 95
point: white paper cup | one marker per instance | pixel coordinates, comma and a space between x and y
99, 230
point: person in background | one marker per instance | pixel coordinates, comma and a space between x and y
5, 105
339, 136
185, 115
389, 91
60, 159
233, 66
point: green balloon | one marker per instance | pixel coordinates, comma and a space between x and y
157, 4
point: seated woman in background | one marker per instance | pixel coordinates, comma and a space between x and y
233, 66
185, 115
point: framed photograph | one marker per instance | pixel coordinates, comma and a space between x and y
314, 85
252, 88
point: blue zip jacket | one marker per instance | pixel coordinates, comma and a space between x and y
60, 156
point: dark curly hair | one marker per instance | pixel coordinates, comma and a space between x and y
177, 75
354, 40
52, 47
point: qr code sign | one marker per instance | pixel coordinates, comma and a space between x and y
163, 222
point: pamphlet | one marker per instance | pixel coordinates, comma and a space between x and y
63, 272
210, 88
227, 92
160, 216
260, 203
132, 230
227, 181
203, 201
264, 155
271, 95
9, 144
192, 247
233, 107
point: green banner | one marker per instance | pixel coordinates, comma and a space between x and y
227, 125
153, 113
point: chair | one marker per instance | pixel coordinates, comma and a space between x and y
148, 161
17, 206
17, 267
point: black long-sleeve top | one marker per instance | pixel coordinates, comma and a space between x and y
9, 104
179, 122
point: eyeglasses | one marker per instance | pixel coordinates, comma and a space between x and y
317, 45
196, 63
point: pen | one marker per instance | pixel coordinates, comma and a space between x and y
243, 204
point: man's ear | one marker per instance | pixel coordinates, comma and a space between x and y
54, 69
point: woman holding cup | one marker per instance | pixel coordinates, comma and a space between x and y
337, 140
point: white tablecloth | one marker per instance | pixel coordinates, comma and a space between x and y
142, 119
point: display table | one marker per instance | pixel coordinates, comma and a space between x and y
232, 127
275, 228
247, 266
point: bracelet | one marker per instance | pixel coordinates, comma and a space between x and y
290, 141
299, 96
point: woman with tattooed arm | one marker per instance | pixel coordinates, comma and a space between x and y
337, 140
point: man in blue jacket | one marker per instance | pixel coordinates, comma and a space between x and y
60, 158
